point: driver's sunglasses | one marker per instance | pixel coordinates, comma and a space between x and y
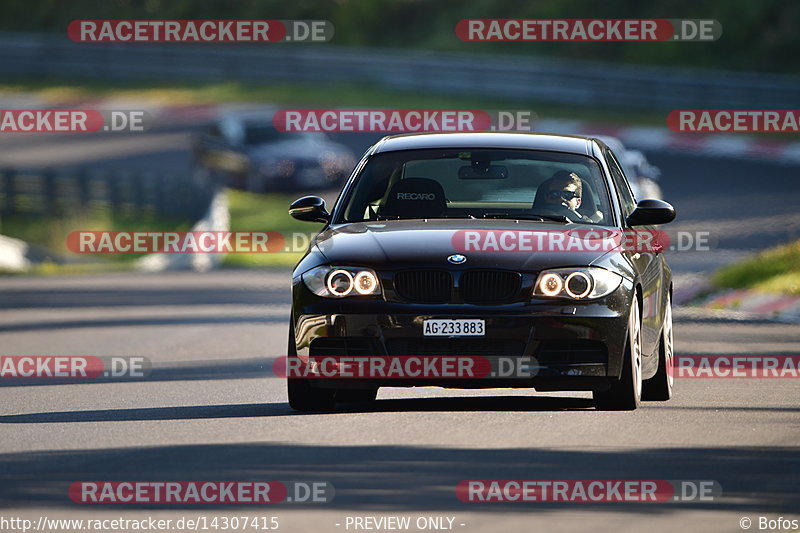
566, 195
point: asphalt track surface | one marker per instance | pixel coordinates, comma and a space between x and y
211, 410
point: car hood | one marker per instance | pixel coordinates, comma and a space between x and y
428, 243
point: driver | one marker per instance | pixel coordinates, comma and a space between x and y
562, 192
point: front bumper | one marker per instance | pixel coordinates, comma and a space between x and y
560, 345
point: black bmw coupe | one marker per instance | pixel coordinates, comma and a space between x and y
489, 246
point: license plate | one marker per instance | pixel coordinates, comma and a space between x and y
454, 327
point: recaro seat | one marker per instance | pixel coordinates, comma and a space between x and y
541, 191
415, 198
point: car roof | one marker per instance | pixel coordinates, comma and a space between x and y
614, 143
517, 140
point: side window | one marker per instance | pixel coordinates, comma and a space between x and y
625, 195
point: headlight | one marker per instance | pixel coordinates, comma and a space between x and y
551, 284
338, 282
576, 283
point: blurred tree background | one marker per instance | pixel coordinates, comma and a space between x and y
758, 35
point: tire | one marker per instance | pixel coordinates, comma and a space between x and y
302, 396
659, 388
626, 394
356, 395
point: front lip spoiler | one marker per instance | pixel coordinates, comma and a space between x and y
540, 384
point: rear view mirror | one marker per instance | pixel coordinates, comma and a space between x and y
481, 172
651, 212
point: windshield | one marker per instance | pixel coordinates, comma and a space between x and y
479, 183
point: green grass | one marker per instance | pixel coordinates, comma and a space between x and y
266, 212
51, 232
53, 269
329, 94
249, 212
48, 235
776, 270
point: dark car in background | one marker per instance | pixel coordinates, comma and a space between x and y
245, 151
383, 277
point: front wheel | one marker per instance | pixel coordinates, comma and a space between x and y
626, 394
659, 387
302, 396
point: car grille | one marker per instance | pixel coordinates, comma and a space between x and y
489, 286
475, 286
455, 346
423, 286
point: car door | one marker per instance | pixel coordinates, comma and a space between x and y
645, 258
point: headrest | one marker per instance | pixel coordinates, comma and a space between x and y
415, 198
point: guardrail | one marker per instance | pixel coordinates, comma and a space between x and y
55, 193
518, 78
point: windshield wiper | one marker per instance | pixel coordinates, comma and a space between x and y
557, 218
540, 218
398, 217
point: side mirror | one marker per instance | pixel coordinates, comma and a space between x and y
310, 209
651, 212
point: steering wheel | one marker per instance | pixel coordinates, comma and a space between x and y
559, 210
